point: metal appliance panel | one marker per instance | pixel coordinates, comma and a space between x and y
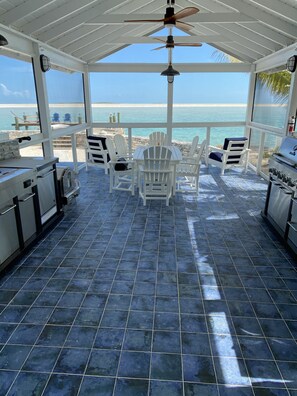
27, 213
292, 235
9, 240
279, 205
46, 193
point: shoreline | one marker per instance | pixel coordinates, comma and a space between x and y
122, 105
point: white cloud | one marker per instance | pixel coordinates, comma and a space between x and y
19, 94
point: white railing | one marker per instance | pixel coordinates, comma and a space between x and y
131, 127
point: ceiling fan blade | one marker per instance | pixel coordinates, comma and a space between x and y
188, 45
144, 20
158, 39
186, 12
158, 48
183, 25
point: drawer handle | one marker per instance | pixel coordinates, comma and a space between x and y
26, 199
7, 210
46, 174
293, 228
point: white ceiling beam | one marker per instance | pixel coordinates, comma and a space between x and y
155, 40
250, 35
206, 17
234, 53
263, 16
280, 8
55, 15
269, 33
75, 35
92, 40
244, 41
277, 59
64, 26
98, 42
20, 11
157, 67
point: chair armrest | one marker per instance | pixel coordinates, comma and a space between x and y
214, 148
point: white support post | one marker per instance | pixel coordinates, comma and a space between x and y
130, 141
169, 100
43, 105
207, 144
292, 104
261, 152
88, 102
249, 110
74, 152
169, 113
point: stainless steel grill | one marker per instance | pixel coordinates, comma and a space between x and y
281, 202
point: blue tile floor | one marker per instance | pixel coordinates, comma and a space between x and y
198, 298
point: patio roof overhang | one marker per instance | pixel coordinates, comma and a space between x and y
85, 31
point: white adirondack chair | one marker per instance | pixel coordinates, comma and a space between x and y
194, 146
121, 146
121, 171
235, 152
187, 172
157, 139
156, 174
96, 152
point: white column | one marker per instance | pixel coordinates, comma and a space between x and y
169, 102
43, 105
169, 112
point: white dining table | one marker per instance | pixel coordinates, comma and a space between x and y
175, 159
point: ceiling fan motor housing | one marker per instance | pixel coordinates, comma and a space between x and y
170, 42
169, 16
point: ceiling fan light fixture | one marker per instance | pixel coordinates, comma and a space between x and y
3, 41
170, 73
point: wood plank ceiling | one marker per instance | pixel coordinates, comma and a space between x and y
92, 29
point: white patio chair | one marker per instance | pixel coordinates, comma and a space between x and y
194, 146
235, 152
121, 146
121, 170
96, 152
188, 170
157, 139
156, 174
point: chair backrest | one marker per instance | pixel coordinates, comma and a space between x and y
67, 117
96, 147
194, 146
201, 150
120, 145
111, 149
237, 147
157, 138
56, 117
156, 164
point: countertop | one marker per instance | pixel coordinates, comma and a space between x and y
37, 163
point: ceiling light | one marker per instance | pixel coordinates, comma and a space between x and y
170, 73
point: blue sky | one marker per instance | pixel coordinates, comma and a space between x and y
17, 83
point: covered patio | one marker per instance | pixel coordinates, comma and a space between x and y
195, 298
198, 298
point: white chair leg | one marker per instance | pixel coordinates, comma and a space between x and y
111, 180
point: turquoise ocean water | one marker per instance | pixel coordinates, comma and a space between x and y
273, 116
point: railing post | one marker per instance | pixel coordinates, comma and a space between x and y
207, 144
261, 152
130, 140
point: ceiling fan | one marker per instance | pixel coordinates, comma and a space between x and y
171, 18
170, 43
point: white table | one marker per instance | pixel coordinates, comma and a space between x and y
176, 157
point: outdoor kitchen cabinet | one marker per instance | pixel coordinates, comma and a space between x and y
9, 234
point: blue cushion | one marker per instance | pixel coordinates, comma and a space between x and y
227, 140
232, 159
215, 155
